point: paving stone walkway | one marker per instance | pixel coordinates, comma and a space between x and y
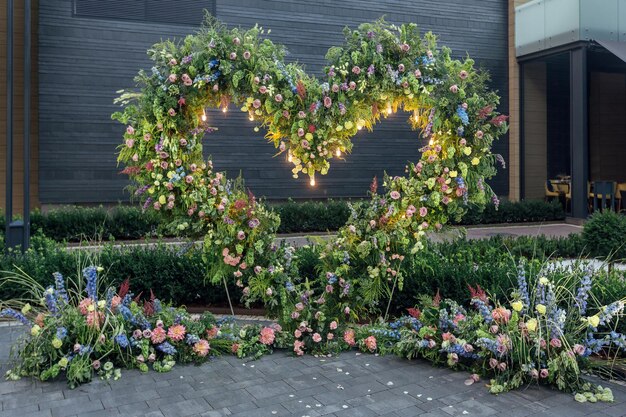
281, 385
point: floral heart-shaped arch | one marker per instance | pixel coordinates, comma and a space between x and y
380, 69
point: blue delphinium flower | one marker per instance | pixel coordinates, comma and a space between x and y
191, 339
582, 294
109, 297
51, 301
61, 333
289, 286
166, 348
59, 283
122, 340
462, 113
332, 278
91, 275
610, 311
522, 286
483, 308
85, 350
157, 305
9, 312
126, 313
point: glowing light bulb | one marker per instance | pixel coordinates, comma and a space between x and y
359, 127
338, 153
430, 142
416, 116
203, 117
389, 109
224, 109
312, 182
289, 157
251, 118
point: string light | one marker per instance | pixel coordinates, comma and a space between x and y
251, 118
416, 116
430, 142
338, 153
224, 109
289, 157
312, 182
389, 109
203, 117
359, 126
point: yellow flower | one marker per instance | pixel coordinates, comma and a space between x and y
517, 306
91, 307
26, 308
35, 330
102, 304
475, 161
453, 174
308, 136
544, 281
594, 321
467, 151
541, 309
56, 343
531, 325
162, 199
63, 362
348, 124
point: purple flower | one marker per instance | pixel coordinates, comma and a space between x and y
379, 48
371, 69
187, 59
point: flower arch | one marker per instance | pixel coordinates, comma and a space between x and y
381, 68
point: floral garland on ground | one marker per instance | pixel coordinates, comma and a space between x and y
380, 69
541, 336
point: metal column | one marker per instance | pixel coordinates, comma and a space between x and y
579, 133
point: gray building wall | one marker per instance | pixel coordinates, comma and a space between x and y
84, 61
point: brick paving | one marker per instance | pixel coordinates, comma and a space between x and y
281, 385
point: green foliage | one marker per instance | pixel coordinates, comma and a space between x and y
311, 216
514, 212
604, 235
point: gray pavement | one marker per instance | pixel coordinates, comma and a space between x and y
474, 232
351, 384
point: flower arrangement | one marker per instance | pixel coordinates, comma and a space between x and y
82, 334
381, 68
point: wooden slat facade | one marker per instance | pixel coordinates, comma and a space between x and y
84, 61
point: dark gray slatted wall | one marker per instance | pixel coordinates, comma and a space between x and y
83, 61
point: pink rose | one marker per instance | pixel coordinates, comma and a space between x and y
333, 325
405, 47
256, 103
346, 310
278, 98
173, 62
171, 112
555, 343
394, 195
241, 235
544, 373
356, 70
493, 363
352, 85
297, 333
233, 56
418, 73
328, 102
335, 88
454, 89
330, 336
480, 134
317, 338
186, 79
256, 80
236, 41
130, 143
423, 211
172, 78
502, 366
463, 74
401, 67
130, 130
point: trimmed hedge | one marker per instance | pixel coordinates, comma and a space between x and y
177, 275
75, 223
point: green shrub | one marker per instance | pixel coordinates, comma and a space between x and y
515, 212
604, 235
311, 216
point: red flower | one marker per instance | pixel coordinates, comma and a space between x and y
301, 89
124, 287
131, 170
437, 299
484, 112
414, 312
498, 120
374, 185
149, 166
239, 204
478, 293
312, 128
